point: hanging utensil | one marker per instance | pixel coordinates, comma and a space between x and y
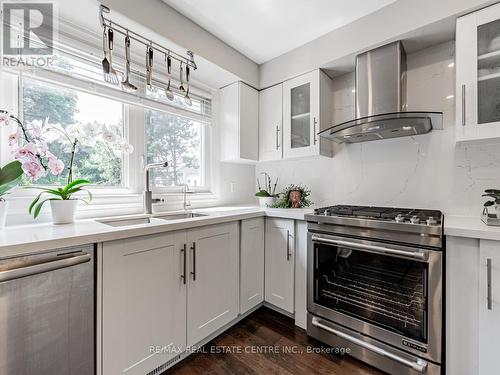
126, 85
181, 87
105, 61
187, 99
149, 66
112, 77
168, 92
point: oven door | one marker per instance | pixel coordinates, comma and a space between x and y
389, 292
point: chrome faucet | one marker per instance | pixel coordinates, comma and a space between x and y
186, 203
148, 194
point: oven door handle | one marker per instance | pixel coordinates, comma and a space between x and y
418, 255
420, 365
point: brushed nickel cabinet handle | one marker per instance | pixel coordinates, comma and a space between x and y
463, 105
277, 137
193, 272
288, 254
183, 276
488, 283
315, 122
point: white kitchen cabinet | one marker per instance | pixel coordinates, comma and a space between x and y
489, 306
271, 123
478, 75
306, 112
251, 263
239, 123
143, 302
279, 263
212, 297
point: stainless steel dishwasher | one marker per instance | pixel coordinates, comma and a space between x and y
47, 318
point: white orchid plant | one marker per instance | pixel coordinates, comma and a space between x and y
29, 143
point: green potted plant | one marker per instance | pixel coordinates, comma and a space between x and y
265, 195
495, 201
10, 175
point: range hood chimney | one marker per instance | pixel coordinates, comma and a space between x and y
381, 101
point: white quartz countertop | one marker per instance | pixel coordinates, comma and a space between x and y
26, 239
471, 227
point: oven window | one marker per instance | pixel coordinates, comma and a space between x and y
383, 290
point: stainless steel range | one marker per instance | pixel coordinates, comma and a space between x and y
374, 285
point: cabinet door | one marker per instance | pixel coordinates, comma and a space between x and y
301, 115
213, 279
270, 123
143, 302
251, 263
239, 120
489, 306
279, 263
478, 74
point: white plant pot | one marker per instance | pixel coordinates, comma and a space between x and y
4, 206
63, 211
497, 208
265, 201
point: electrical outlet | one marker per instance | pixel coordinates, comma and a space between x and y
232, 186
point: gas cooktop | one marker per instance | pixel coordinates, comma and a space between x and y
387, 214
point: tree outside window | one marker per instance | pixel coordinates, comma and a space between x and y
178, 140
58, 105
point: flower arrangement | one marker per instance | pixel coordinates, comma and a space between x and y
293, 196
29, 145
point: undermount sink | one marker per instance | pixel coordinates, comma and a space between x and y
129, 221
178, 216
123, 222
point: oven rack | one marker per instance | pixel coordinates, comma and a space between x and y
382, 287
414, 301
351, 300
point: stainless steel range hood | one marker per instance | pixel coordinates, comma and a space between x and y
381, 101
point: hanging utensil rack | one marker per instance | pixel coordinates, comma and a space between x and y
161, 50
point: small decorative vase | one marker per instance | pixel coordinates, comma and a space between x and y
265, 201
63, 211
4, 206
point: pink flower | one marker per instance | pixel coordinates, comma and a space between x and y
4, 118
25, 152
56, 166
33, 169
14, 137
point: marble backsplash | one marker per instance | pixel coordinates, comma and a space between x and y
424, 171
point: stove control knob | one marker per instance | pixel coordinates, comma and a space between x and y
414, 220
399, 219
431, 221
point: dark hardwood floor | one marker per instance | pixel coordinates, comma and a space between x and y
267, 342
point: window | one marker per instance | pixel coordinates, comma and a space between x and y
178, 140
99, 164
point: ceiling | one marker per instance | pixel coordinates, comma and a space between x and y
264, 29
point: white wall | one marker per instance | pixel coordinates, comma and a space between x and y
425, 171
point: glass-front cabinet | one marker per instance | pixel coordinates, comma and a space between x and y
478, 75
306, 111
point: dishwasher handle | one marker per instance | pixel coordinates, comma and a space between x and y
34, 268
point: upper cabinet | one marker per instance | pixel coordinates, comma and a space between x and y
478, 75
239, 123
306, 111
271, 123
